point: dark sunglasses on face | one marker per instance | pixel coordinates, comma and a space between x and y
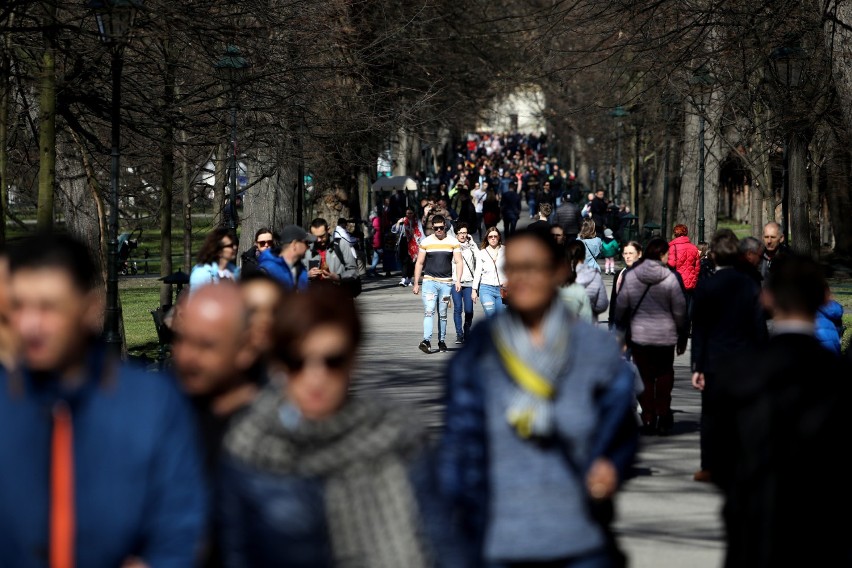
440, 228
333, 362
229, 245
264, 243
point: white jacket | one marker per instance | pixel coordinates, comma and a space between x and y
469, 261
488, 271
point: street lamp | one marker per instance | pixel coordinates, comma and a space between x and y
115, 19
702, 92
618, 113
788, 64
669, 101
232, 68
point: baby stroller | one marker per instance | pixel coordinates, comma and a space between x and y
126, 245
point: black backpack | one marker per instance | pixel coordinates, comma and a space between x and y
352, 285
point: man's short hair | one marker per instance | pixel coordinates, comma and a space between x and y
438, 219
57, 251
319, 223
797, 284
725, 248
750, 244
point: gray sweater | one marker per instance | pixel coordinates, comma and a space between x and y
592, 281
663, 311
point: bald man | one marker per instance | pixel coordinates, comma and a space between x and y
215, 359
773, 246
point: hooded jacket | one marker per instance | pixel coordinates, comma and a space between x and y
661, 316
686, 259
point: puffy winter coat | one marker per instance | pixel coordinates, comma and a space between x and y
686, 259
591, 280
661, 316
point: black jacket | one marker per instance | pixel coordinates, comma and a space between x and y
568, 217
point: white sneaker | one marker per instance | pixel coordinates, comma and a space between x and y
402, 282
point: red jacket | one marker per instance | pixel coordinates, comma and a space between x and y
685, 258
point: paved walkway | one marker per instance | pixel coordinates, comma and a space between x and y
665, 519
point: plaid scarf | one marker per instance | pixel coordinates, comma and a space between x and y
362, 455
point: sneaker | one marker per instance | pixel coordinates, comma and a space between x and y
459, 339
410, 283
442, 347
402, 282
425, 346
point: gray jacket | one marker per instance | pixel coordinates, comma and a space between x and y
663, 311
592, 281
346, 269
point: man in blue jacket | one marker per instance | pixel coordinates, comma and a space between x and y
285, 263
100, 460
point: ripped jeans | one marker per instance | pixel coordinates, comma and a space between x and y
435, 293
489, 297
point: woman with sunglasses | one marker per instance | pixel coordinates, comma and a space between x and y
489, 280
313, 477
264, 239
215, 259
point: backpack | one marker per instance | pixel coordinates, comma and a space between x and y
352, 285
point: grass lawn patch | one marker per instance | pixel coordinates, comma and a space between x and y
138, 297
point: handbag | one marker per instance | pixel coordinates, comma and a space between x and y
504, 293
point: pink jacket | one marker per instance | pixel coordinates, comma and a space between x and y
685, 258
377, 232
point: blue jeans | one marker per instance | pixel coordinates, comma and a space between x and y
375, 263
435, 293
462, 301
489, 297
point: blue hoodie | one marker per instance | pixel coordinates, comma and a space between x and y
829, 321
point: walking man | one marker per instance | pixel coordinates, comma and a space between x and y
285, 263
438, 254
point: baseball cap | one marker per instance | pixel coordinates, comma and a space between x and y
292, 233
608, 233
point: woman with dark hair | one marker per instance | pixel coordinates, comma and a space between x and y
652, 305
313, 477
529, 456
215, 259
264, 239
631, 253
591, 280
410, 231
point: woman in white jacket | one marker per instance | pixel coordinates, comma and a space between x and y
463, 299
488, 278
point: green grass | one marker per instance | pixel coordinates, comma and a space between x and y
740, 229
138, 298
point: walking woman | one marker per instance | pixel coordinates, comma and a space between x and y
592, 243
631, 253
315, 478
410, 231
651, 302
530, 455
215, 260
489, 279
590, 279
463, 299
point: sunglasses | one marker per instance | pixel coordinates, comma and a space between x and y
229, 245
333, 362
441, 228
493, 236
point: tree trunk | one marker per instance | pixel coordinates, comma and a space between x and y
220, 183
271, 202
186, 198
47, 125
5, 87
840, 197
800, 240
814, 200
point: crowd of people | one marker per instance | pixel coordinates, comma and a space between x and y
251, 450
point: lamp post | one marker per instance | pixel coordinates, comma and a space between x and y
618, 113
115, 20
702, 84
788, 66
232, 69
669, 102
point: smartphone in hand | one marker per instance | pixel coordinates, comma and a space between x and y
314, 263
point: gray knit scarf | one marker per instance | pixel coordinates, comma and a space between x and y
550, 361
361, 454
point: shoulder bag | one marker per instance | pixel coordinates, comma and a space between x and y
625, 323
504, 293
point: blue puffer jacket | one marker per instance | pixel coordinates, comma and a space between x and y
277, 268
829, 322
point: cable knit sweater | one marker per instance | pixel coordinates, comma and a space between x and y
662, 314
